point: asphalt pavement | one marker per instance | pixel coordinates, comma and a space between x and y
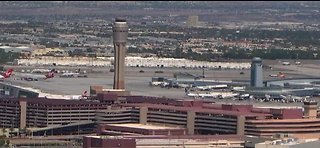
137, 82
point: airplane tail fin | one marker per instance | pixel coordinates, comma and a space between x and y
281, 75
50, 74
8, 73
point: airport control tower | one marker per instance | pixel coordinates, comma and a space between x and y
256, 73
120, 34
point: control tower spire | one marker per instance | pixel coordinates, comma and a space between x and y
120, 35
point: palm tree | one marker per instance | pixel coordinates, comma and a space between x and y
19, 132
11, 131
7, 143
4, 130
2, 142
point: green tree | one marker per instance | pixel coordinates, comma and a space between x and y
90, 50
7, 143
2, 142
11, 132
4, 130
7, 56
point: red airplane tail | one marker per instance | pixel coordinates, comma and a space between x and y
8, 73
281, 75
50, 74
85, 95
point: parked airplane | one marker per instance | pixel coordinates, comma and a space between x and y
40, 71
212, 95
72, 74
209, 87
245, 96
280, 75
69, 75
202, 95
7, 74
238, 88
34, 77
156, 81
286, 63
297, 63
273, 75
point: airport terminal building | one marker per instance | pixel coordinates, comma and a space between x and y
196, 117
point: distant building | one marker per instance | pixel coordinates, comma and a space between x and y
193, 21
256, 73
48, 51
16, 49
133, 61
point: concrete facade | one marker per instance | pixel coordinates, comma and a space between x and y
196, 116
190, 122
241, 125
143, 115
194, 141
310, 110
139, 129
23, 114
91, 142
